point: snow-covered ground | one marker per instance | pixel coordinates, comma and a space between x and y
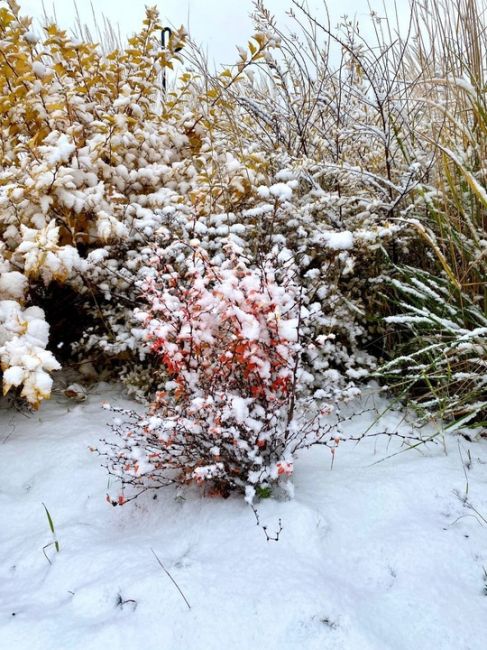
371, 555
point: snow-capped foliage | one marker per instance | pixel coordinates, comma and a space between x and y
80, 141
24, 360
228, 338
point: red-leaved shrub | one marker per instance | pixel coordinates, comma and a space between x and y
228, 340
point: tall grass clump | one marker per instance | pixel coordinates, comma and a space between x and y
441, 362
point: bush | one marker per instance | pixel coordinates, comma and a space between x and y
228, 339
79, 143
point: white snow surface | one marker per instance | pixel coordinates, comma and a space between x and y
372, 556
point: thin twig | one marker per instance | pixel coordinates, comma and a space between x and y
170, 577
269, 538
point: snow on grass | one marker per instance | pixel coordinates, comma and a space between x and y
371, 556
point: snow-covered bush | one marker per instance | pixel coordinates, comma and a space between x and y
335, 218
340, 184
83, 151
95, 166
228, 338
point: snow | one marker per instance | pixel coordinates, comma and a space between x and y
32, 37
14, 375
281, 191
466, 85
263, 192
249, 324
39, 69
338, 240
288, 329
240, 409
97, 256
13, 285
372, 555
60, 150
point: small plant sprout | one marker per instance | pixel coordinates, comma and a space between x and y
54, 542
